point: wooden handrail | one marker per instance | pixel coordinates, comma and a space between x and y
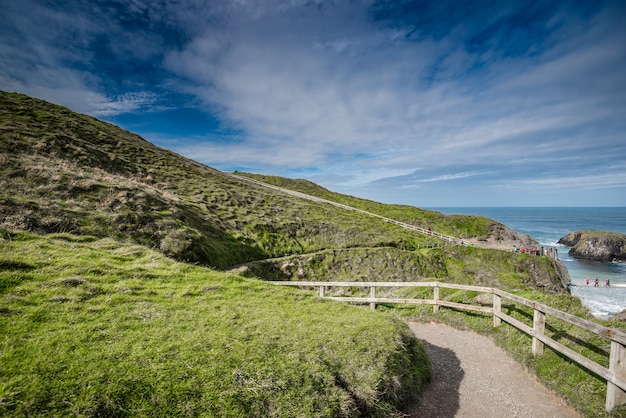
615, 375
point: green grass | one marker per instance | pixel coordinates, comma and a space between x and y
89, 326
93, 327
456, 225
62, 172
464, 265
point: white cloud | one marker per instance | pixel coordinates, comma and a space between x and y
450, 176
303, 98
320, 86
126, 103
608, 180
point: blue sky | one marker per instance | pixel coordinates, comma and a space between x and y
426, 103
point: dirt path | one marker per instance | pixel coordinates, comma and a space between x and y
472, 377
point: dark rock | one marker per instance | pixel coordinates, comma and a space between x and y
596, 245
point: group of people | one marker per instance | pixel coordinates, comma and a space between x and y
596, 282
549, 251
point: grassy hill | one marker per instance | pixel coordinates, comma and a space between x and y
115, 299
94, 327
462, 226
65, 172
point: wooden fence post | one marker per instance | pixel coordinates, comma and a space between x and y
373, 295
322, 291
539, 327
436, 298
617, 365
497, 307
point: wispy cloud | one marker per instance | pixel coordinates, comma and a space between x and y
451, 176
129, 102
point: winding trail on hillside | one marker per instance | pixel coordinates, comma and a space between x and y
445, 238
472, 377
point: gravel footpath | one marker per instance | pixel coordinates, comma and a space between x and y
472, 377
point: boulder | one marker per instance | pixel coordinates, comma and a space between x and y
501, 237
596, 245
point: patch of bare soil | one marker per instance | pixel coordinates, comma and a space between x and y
472, 377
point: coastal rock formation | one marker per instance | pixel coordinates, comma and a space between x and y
596, 245
501, 237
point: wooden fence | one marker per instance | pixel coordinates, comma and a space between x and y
614, 375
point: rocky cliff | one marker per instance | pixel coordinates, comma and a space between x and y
596, 245
501, 237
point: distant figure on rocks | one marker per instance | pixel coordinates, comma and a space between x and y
607, 283
587, 281
596, 282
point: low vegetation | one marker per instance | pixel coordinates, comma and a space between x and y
464, 265
65, 172
462, 226
93, 327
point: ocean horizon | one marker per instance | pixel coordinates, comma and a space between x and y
547, 225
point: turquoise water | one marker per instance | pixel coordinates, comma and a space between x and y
548, 225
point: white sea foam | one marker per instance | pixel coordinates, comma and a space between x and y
601, 301
551, 244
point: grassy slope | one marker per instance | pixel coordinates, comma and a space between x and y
63, 172
455, 225
102, 328
95, 327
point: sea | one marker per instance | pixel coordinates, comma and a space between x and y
548, 224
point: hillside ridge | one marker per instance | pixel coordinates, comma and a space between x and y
62, 172
445, 238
